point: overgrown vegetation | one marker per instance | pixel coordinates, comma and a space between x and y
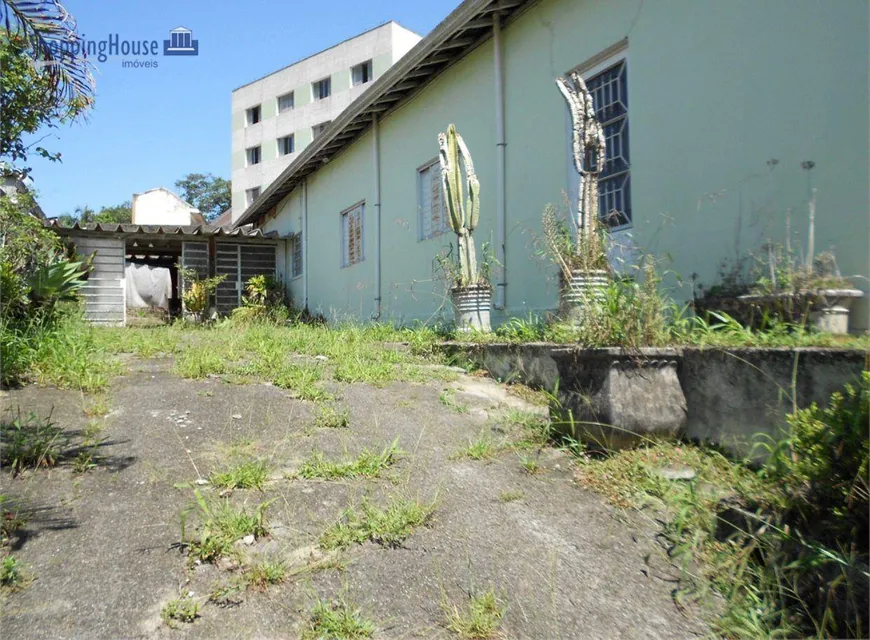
479, 619
387, 527
220, 526
368, 464
184, 609
250, 474
787, 544
482, 448
337, 620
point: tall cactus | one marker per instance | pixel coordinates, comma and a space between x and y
462, 194
589, 151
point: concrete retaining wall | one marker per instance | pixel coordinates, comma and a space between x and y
733, 397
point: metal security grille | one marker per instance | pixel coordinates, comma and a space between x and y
240, 262
433, 214
295, 247
610, 96
352, 248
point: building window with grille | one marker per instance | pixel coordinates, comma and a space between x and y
361, 73
286, 145
432, 218
295, 250
352, 247
321, 89
252, 115
253, 156
251, 195
286, 102
609, 90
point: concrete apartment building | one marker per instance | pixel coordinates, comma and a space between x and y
276, 117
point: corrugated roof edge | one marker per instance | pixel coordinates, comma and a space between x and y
462, 18
317, 53
160, 229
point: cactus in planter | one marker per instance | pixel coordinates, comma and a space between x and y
589, 150
462, 194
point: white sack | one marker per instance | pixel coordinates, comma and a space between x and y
148, 286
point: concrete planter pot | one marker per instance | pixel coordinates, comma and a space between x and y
611, 399
585, 288
828, 309
472, 307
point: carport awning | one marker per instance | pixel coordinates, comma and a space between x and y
196, 230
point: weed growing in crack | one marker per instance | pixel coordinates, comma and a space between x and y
387, 527
530, 464
367, 464
510, 496
303, 381
448, 399
221, 526
12, 578
332, 418
30, 442
337, 620
479, 619
246, 475
265, 573
184, 609
97, 407
483, 448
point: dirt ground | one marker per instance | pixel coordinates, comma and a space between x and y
103, 546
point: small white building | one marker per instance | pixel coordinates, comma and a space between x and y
275, 117
162, 206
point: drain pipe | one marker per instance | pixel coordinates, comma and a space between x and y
376, 162
304, 244
500, 176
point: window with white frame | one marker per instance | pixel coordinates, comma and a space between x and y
432, 218
286, 102
251, 195
318, 129
321, 89
253, 115
352, 248
286, 145
294, 248
253, 155
609, 89
361, 73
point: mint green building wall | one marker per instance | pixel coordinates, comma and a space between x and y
716, 92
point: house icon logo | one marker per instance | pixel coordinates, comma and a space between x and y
181, 43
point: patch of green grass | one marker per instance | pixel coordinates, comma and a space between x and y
448, 399
303, 381
532, 396
265, 573
510, 496
12, 577
246, 475
200, 363
368, 464
533, 429
337, 620
483, 448
331, 418
221, 525
360, 368
96, 407
479, 619
84, 461
387, 527
184, 609
530, 464
30, 442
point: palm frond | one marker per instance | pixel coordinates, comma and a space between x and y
50, 32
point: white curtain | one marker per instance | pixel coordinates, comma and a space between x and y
148, 286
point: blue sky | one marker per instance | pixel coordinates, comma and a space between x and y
150, 127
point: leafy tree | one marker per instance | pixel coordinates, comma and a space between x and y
208, 193
44, 82
118, 214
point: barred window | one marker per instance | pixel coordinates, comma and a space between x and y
352, 247
430, 204
295, 242
610, 97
